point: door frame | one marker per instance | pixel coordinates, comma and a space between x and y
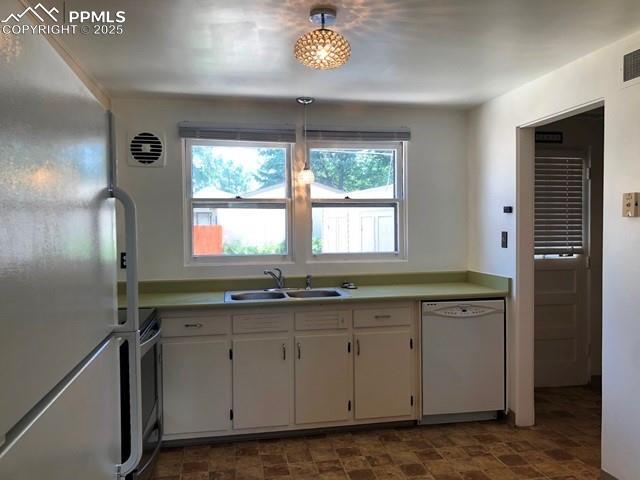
524, 291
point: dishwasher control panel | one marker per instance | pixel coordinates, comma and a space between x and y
463, 309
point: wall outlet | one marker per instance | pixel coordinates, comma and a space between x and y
630, 207
123, 260
504, 242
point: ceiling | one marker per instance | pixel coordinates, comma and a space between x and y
443, 52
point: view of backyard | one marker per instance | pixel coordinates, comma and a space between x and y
240, 197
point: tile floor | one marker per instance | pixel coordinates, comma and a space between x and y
564, 445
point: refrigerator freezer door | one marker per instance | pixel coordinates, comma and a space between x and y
78, 435
58, 255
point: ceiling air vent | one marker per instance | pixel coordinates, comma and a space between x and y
631, 66
146, 150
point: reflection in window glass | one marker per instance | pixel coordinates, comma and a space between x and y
238, 171
233, 230
353, 172
368, 229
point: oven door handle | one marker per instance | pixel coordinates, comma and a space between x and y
149, 344
135, 405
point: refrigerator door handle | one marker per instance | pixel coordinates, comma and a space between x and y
132, 323
135, 405
131, 246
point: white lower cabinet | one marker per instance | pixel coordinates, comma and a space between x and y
196, 377
261, 382
259, 370
383, 374
323, 378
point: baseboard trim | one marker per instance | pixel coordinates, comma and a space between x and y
190, 442
458, 417
511, 418
606, 476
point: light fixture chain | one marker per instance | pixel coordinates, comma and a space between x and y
304, 128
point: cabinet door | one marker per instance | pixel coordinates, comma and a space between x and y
323, 378
383, 374
196, 386
261, 382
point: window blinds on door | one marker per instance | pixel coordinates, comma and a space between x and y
559, 204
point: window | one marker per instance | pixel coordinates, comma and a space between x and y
560, 209
357, 199
238, 198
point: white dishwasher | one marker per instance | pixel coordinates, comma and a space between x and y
463, 360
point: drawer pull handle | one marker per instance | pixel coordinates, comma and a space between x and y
299, 351
284, 352
192, 325
357, 346
380, 317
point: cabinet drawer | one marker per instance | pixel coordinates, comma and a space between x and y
265, 322
194, 326
323, 320
382, 317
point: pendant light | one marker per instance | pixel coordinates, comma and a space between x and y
322, 48
306, 176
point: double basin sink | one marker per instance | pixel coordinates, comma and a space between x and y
285, 294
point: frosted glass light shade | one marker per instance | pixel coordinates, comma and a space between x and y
306, 176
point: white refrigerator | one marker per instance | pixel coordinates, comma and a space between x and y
59, 355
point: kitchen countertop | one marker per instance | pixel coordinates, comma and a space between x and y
411, 292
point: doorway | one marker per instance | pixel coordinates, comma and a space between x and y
568, 250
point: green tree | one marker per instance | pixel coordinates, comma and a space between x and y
211, 170
272, 171
352, 170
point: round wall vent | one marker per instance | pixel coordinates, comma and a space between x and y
146, 149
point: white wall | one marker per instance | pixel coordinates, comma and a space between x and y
492, 183
436, 177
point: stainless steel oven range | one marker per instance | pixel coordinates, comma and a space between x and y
151, 392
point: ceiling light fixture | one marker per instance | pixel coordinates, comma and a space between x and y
322, 48
306, 176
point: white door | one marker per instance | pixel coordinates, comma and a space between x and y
261, 382
561, 231
322, 378
383, 374
561, 322
78, 434
196, 385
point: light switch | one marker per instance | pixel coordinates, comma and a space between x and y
630, 207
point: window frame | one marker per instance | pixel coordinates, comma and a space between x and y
190, 203
398, 201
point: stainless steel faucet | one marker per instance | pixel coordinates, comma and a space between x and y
308, 280
277, 276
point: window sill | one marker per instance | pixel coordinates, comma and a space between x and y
259, 261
